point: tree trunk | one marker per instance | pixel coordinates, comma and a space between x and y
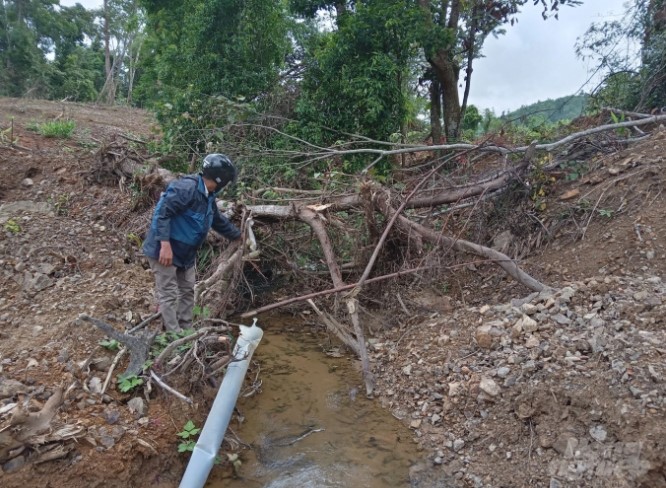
445, 70
435, 112
447, 75
470, 45
110, 94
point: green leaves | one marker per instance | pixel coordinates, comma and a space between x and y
110, 344
128, 383
189, 430
188, 434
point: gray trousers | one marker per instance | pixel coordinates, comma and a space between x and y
175, 292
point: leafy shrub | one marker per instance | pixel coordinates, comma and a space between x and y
60, 129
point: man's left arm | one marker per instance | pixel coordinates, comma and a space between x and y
222, 225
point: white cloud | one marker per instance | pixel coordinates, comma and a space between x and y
535, 59
88, 4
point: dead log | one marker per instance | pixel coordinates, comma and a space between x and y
138, 346
461, 245
25, 426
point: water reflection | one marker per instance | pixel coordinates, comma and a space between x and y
309, 428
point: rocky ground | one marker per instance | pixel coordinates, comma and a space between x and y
500, 388
561, 388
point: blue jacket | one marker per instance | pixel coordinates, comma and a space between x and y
183, 216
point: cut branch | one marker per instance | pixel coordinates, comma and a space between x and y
139, 347
461, 245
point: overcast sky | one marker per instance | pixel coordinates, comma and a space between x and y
534, 60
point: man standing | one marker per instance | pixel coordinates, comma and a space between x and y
183, 216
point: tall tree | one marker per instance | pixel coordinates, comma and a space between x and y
25, 38
123, 27
229, 47
631, 52
450, 34
357, 77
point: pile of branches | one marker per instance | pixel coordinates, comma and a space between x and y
188, 359
395, 219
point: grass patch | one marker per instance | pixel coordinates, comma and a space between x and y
60, 129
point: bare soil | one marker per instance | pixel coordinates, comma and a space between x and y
561, 389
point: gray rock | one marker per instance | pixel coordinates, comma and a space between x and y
488, 386
27, 182
101, 363
107, 441
561, 319
529, 366
566, 293
458, 444
37, 283
554, 483
95, 385
111, 415
598, 433
487, 334
566, 445
14, 464
503, 372
8, 210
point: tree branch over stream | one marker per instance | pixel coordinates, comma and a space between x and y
325, 212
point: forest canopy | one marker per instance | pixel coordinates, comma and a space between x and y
389, 70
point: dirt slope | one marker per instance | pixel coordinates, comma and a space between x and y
560, 389
565, 388
59, 257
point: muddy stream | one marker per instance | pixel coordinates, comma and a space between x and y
312, 426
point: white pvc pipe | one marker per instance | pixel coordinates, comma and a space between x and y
212, 434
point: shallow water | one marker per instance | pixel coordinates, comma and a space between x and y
312, 426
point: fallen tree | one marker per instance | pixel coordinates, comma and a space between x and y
324, 213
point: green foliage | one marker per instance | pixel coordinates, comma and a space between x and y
604, 212
620, 90
188, 435
200, 312
12, 226
357, 76
163, 340
574, 170
134, 239
78, 75
129, 382
29, 31
618, 118
549, 111
208, 60
110, 344
192, 121
61, 204
634, 80
61, 129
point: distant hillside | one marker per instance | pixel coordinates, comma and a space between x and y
564, 108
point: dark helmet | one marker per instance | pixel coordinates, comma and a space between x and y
220, 169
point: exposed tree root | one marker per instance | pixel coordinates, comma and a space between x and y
139, 347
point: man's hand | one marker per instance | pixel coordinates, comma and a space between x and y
166, 254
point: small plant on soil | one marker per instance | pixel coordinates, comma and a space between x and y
61, 204
110, 344
61, 129
189, 434
128, 383
201, 312
134, 239
604, 212
12, 226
